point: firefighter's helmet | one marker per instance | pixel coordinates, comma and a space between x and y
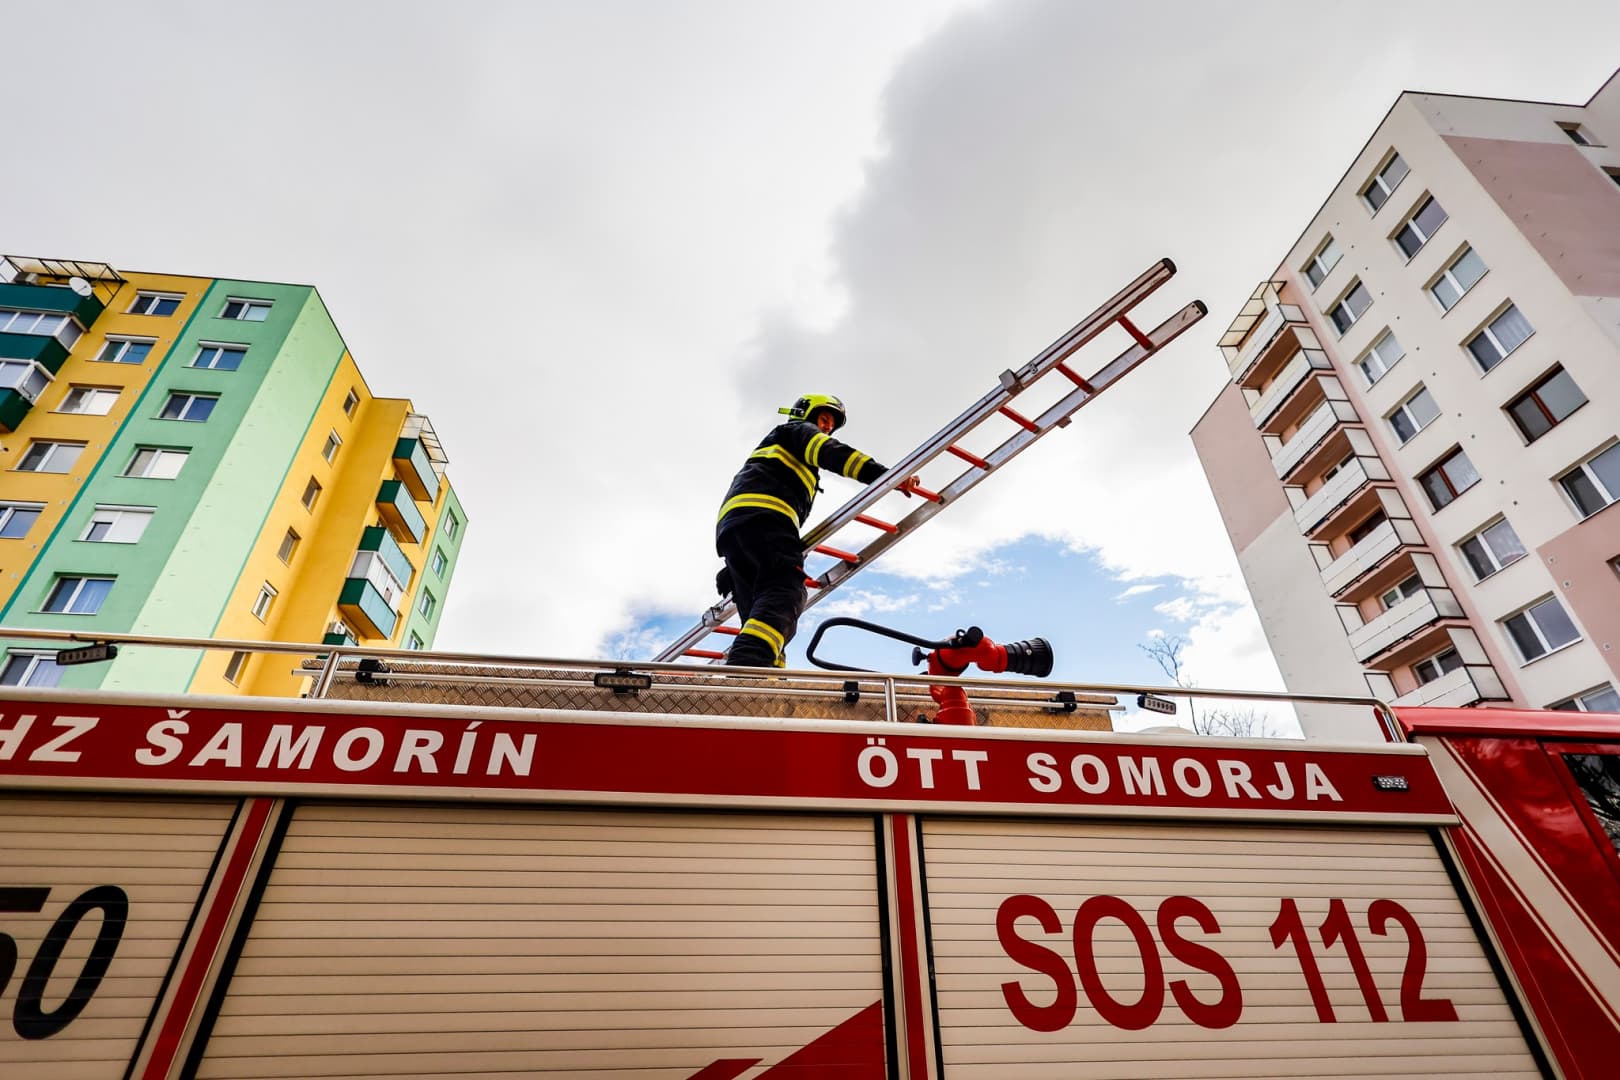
810, 404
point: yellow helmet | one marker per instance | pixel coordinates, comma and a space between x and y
810, 404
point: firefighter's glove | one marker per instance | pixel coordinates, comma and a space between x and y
722, 581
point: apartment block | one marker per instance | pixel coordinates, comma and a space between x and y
201, 457
1417, 457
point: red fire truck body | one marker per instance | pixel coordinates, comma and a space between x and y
236, 887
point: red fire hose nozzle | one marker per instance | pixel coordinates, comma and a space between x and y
971, 648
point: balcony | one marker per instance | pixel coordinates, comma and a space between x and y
58, 299
1316, 428
363, 605
21, 383
1338, 490
398, 511
1402, 621
47, 352
1465, 686
376, 584
1293, 374
1374, 549
413, 465
1283, 324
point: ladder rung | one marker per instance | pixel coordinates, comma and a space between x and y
732, 630
706, 654
811, 583
876, 524
835, 553
918, 489
1018, 418
1141, 338
971, 459
1072, 377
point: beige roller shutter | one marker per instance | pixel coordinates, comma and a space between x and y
85, 862
1261, 1020
425, 940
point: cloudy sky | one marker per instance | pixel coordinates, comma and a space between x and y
599, 243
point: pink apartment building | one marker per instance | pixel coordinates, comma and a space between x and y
1418, 456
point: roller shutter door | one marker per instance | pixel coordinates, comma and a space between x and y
78, 871
1246, 1008
397, 941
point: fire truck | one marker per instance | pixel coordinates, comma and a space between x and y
448, 866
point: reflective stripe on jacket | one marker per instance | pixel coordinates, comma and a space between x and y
783, 472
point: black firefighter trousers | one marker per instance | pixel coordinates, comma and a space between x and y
765, 558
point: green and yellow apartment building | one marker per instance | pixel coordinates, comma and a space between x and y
201, 458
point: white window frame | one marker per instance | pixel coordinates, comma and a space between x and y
92, 396
157, 462
8, 513
1321, 262
1581, 702
1411, 222
251, 306
263, 602
425, 603
1407, 588
1489, 334
234, 668
124, 524
311, 495
1375, 352
1404, 409
1344, 302
62, 328
1433, 663
77, 590
351, 402
1382, 183
288, 548
1547, 647
1584, 466
29, 378
1578, 133
219, 348
452, 525
187, 400
1478, 536
149, 300
1449, 277
35, 662
116, 347
334, 443
414, 642
437, 562
49, 456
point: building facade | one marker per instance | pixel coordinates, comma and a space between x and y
1418, 455
200, 457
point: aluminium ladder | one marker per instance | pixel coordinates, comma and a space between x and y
946, 442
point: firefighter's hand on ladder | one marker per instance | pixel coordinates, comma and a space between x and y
909, 485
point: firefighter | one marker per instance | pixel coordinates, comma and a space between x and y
758, 530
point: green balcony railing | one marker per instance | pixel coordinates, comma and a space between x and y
413, 465
398, 510
366, 610
49, 353
57, 298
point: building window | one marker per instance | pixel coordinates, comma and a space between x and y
17, 518
1491, 549
1378, 190
1404, 591
264, 601
219, 357
1457, 278
53, 457
153, 463
414, 642
439, 562
246, 310
452, 525
1436, 666
193, 407
31, 669
77, 595
1501, 336
1579, 135
289, 545
1345, 313
1416, 230
124, 351
1613, 174
117, 524
234, 668
1545, 405
1322, 263
330, 450
88, 400
1413, 415
25, 377
1449, 479
425, 603
151, 303
1540, 629
63, 328
1595, 482
350, 402
1599, 699
312, 492
1365, 529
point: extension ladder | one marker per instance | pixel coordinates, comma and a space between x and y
946, 443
